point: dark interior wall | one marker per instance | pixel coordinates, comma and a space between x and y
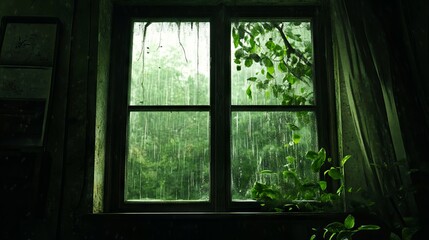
28, 224
65, 168
80, 120
70, 137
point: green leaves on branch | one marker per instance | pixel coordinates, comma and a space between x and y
317, 158
280, 58
344, 230
293, 190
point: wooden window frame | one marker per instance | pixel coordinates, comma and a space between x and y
220, 18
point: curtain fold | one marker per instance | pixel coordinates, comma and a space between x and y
367, 115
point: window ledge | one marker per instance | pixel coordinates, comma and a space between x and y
210, 225
202, 216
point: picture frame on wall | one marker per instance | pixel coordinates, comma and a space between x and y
28, 41
28, 49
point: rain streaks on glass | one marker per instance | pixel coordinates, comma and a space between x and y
271, 64
168, 156
170, 63
270, 141
168, 152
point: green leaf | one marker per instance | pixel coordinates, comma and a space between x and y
296, 138
344, 160
369, 227
327, 197
291, 176
252, 79
235, 37
267, 26
255, 32
282, 67
267, 62
270, 45
255, 57
313, 237
276, 89
290, 159
252, 44
249, 92
349, 222
259, 28
311, 155
293, 127
278, 51
270, 76
238, 68
262, 85
239, 53
294, 60
335, 227
318, 160
340, 190
266, 172
293, 36
278, 209
335, 173
270, 70
323, 185
291, 79
248, 62
322, 154
300, 100
241, 31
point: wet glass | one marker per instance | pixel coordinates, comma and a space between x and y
271, 63
269, 141
170, 63
168, 156
168, 152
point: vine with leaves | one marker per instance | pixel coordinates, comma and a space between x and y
284, 54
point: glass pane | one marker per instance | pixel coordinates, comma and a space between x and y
271, 63
270, 141
168, 156
170, 63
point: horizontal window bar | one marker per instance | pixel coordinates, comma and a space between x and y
180, 108
294, 108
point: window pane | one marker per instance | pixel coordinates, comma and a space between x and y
271, 63
170, 63
275, 141
168, 156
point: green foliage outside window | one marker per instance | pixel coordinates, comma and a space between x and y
271, 65
296, 193
168, 153
282, 53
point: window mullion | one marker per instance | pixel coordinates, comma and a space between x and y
221, 111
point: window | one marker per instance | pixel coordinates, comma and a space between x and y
207, 102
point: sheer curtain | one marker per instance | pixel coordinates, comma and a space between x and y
369, 129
